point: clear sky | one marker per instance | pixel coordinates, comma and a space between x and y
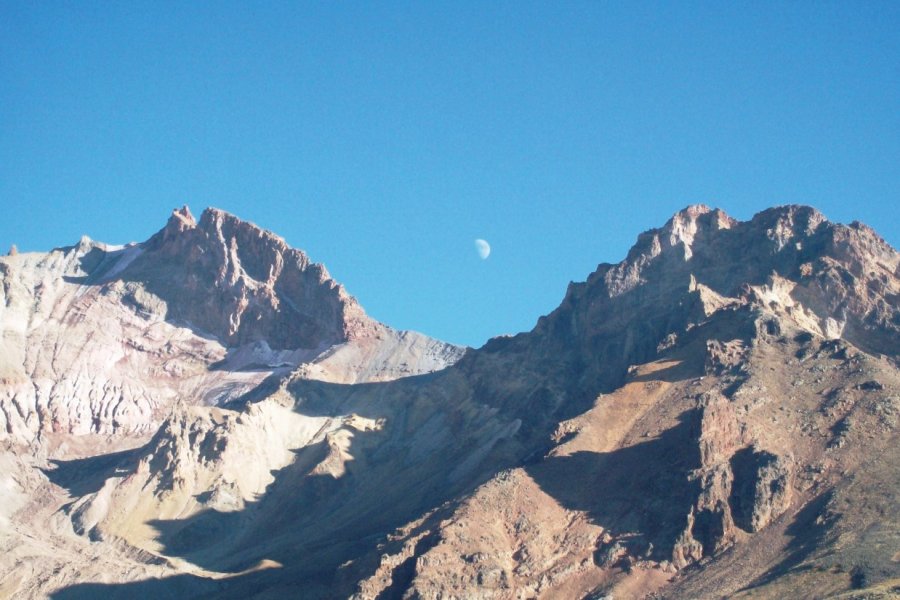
383, 138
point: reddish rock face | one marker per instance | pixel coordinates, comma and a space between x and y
230, 279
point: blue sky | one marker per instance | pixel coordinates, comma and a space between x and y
383, 138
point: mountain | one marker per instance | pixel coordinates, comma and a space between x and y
101, 340
208, 414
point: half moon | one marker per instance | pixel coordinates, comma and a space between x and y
483, 248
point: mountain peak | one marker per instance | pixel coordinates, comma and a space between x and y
845, 275
219, 299
182, 218
682, 228
692, 211
243, 284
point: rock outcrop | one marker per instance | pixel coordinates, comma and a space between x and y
761, 490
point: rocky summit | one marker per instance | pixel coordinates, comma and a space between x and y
208, 414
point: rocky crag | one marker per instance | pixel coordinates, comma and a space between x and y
714, 416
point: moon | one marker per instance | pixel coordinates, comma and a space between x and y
483, 248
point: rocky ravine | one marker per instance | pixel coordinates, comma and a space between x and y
714, 416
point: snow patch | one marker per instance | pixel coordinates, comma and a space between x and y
127, 256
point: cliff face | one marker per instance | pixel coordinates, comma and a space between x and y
242, 284
715, 415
